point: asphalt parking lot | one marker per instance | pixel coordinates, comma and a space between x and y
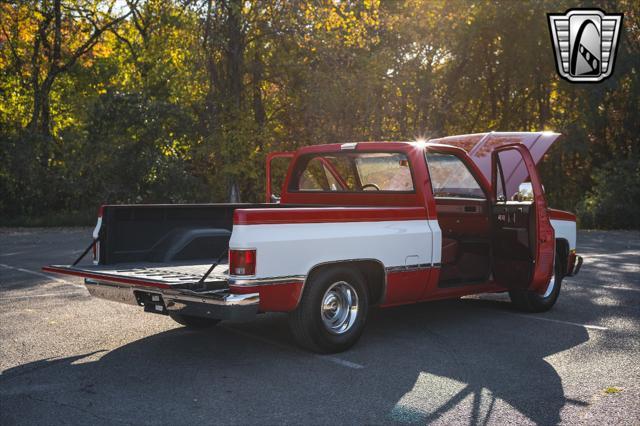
66, 358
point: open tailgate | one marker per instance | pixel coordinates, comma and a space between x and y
182, 289
149, 274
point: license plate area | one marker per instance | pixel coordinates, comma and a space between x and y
152, 302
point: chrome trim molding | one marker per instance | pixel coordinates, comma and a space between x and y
411, 268
251, 282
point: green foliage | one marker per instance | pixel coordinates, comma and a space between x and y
173, 101
613, 201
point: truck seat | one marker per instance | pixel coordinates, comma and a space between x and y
449, 251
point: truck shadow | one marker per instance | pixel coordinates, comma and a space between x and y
466, 359
476, 359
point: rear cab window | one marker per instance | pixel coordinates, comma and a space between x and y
353, 172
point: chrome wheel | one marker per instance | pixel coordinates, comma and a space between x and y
550, 286
339, 309
552, 282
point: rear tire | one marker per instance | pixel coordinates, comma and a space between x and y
332, 312
530, 301
195, 323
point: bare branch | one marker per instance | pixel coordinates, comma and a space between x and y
91, 41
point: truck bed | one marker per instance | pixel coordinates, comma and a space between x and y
155, 274
162, 246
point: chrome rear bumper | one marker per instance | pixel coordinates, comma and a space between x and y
217, 304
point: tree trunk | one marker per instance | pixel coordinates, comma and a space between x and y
258, 105
235, 53
41, 115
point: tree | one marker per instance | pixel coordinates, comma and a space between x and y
63, 32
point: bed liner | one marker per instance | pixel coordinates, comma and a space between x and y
155, 274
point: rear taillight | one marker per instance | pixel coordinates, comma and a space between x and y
242, 262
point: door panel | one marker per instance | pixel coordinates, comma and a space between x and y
523, 237
463, 217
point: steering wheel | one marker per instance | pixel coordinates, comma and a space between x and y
371, 185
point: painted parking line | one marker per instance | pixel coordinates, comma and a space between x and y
330, 358
591, 327
11, 254
41, 275
339, 361
609, 287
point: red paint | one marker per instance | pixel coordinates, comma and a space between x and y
422, 195
455, 221
281, 297
561, 215
104, 277
326, 215
405, 286
545, 235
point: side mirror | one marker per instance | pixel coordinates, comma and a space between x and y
275, 198
525, 192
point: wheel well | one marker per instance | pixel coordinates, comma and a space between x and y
562, 249
372, 270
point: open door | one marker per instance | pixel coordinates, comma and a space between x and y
277, 165
479, 147
523, 238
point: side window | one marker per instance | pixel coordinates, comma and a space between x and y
508, 175
450, 177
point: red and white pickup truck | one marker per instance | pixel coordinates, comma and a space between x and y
357, 225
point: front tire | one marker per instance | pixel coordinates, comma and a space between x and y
530, 301
332, 312
195, 323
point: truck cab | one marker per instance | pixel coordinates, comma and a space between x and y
351, 225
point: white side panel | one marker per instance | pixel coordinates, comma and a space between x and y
565, 229
293, 249
436, 242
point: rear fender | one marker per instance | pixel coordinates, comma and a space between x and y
371, 269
